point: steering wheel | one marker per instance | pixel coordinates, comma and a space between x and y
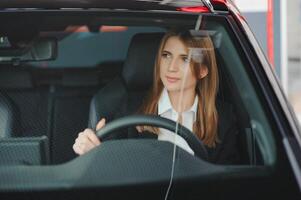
154, 120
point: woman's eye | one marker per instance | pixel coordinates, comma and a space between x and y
165, 55
185, 59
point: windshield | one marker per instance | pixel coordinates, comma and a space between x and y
145, 103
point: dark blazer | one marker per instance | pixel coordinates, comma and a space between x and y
225, 152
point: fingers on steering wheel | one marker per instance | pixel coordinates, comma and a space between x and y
77, 149
85, 141
89, 136
101, 124
93, 138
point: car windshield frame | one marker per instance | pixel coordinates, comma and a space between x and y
91, 164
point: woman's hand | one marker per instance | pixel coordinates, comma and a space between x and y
87, 139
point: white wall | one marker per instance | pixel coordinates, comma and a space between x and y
252, 5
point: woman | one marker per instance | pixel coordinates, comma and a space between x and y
184, 89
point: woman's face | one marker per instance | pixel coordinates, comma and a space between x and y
173, 63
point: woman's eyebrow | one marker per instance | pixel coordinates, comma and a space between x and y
182, 55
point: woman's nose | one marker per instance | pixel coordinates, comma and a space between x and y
173, 66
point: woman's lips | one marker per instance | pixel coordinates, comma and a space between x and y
172, 79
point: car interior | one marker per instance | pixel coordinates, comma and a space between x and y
63, 69
60, 102
64, 75
65, 100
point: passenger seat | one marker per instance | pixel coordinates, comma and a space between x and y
8, 117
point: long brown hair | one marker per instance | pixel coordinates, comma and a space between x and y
205, 125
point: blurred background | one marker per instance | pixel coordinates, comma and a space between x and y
277, 26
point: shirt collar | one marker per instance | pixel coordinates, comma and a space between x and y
165, 104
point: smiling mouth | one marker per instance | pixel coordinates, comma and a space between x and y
172, 79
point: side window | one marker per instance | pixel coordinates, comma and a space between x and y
237, 88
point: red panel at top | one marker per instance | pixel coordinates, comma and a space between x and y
199, 9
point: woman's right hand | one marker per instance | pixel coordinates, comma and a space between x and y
87, 139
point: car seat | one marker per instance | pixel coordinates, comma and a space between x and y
7, 116
135, 79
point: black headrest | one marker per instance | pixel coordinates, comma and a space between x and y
139, 65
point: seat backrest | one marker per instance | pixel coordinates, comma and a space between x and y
136, 77
26, 104
7, 116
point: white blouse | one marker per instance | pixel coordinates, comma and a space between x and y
166, 110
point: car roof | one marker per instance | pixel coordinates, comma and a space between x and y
56, 15
168, 5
